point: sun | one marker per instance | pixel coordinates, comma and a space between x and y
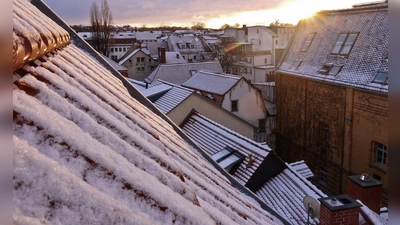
295, 10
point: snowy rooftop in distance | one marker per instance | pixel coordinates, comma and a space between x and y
87, 152
179, 73
368, 55
212, 82
171, 99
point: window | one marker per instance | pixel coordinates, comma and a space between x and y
324, 132
228, 159
381, 77
138, 60
192, 46
323, 175
307, 42
142, 59
344, 43
234, 106
112, 49
250, 71
124, 49
149, 60
120, 49
261, 125
296, 65
276, 42
192, 72
142, 69
330, 69
380, 154
334, 70
194, 57
265, 60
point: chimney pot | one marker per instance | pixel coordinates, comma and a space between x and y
366, 189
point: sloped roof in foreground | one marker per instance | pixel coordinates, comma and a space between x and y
86, 152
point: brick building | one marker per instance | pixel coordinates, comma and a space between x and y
332, 96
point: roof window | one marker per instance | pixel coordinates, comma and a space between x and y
344, 44
296, 65
307, 42
381, 77
330, 69
229, 159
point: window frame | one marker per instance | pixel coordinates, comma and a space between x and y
308, 41
382, 81
340, 44
229, 159
234, 105
380, 154
323, 175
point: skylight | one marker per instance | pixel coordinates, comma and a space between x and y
330, 69
307, 42
344, 43
381, 77
228, 159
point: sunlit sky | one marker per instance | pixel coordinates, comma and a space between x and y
214, 13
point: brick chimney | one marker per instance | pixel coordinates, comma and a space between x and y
161, 55
366, 189
341, 209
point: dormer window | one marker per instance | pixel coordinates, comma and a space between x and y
381, 77
229, 159
335, 70
307, 42
344, 44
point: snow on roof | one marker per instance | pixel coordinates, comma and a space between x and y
286, 191
212, 82
144, 50
367, 56
86, 152
175, 96
302, 168
157, 89
146, 35
367, 216
179, 73
213, 137
174, 57
115, 64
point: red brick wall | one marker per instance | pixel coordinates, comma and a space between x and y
338, 217
370, 196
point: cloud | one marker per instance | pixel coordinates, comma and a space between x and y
148, 5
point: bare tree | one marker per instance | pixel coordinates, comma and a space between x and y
101, 20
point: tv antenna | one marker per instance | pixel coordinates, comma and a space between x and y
312, 208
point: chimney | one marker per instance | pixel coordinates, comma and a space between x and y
341, 209
366, 189
162, 54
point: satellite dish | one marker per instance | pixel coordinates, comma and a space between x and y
312, 207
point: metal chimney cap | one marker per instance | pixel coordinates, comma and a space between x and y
365, 177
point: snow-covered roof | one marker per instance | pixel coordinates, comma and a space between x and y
129, 54
179, 73
115, 64
156, 90
87, 152
285, 190
122, 35
146, 35
174, 57
212, 82
368, 55
175, 96
302, 168
213, 137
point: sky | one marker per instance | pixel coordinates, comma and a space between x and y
214, 13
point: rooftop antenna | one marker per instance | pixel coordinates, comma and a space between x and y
311, 206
